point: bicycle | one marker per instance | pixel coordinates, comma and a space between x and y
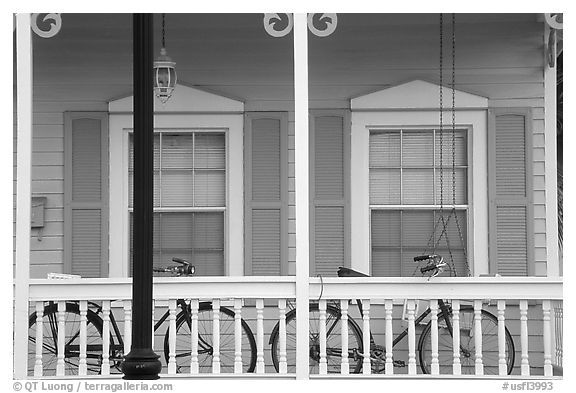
94, 333
377, 353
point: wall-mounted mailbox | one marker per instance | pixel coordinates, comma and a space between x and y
37, 213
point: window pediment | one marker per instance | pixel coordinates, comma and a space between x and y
416, 94
184, 99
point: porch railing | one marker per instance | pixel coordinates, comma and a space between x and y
91, 319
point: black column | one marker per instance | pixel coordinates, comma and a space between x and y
142, 362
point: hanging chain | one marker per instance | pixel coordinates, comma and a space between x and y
163, 30
441, 112
453, 110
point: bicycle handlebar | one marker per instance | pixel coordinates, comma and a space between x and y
436, 264
185, 270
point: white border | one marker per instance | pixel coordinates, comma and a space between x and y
362, 123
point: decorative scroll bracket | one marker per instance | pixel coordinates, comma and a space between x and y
55, 26
556, 22
330, 22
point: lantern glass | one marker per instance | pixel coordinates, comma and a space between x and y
164, 78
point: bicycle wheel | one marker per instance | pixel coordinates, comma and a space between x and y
333, 342
205, 340
490, 354
71, 342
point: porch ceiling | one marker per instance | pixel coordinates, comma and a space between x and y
231, 54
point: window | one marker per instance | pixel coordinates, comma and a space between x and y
410, 179
189, 198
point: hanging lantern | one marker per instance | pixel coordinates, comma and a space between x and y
164, 71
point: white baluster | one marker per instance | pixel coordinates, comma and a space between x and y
127, 325
479, 366
547, 338
260, 336
389, 366
237, 336
39, 338
524, 363
216, 336
456, 366
502, 366
366, 366
323, 367
434, 365
172, 337
194, 367
282, 332
82, 366
61, 338
344, 365
106, 337
411, 308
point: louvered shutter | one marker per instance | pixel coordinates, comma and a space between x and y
86, 194
511, 215
266, 194
329, 162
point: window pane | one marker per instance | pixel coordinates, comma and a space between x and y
459, 186
209, 188
398, 236
209, 151
460, 148
385, 240
177, 151
417, 149
384, 186
385, 149
417, 186
195, 237
177, 188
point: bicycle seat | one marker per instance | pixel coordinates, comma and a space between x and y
347, 272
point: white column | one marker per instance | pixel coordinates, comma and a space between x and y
302, 192
23, 191
553, 262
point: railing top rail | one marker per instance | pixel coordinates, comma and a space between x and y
481, 288
164, 288
533, 288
